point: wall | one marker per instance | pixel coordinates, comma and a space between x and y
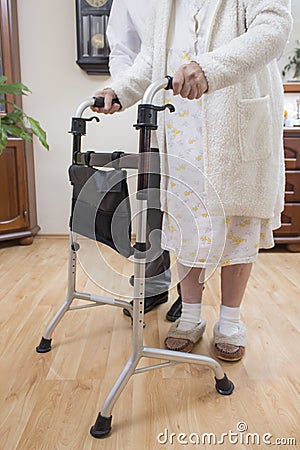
48, 54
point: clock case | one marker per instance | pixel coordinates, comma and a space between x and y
90, 21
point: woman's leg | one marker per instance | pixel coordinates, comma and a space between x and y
191, 289
184, 333
234, 280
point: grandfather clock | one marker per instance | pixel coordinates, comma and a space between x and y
92, 46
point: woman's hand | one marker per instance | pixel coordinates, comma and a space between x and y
109, 107
189, 81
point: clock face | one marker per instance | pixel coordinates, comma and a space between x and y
96, 3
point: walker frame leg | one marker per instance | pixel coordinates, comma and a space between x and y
90, 299
45, 343
102, 426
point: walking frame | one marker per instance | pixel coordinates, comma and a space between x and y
147, 121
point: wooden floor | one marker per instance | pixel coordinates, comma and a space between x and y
49, 402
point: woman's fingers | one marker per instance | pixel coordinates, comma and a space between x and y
109, 107
178, 81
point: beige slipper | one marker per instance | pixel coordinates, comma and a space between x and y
230, 348
184, 341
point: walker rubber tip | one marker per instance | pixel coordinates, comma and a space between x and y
224, 386
102, 427
44, 346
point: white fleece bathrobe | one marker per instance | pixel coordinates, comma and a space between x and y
242, 110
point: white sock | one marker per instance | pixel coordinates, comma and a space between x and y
190, 316
229, 322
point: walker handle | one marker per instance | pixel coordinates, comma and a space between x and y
170, 83
99, 101
164, 83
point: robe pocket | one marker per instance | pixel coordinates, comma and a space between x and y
255, 137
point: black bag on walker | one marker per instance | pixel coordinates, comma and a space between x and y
100, 207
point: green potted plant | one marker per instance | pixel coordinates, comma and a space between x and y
16, 123
294, 61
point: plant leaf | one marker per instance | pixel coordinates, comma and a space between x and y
13, 117
38, 131
7, 102
14, 88
17, 131
14, 122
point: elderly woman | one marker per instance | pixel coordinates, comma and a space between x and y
222, 150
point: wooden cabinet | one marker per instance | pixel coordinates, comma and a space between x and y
17, 186
18, 219
289, 232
